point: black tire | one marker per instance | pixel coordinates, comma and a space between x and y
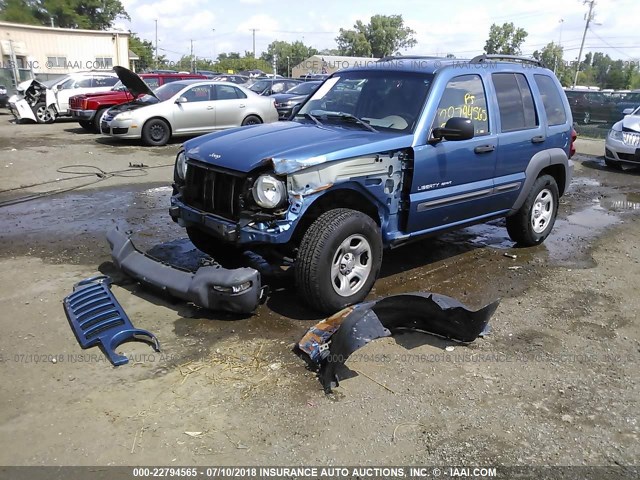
156, 132
613, 164
97, 117
251, 120
323, 259
533, 222
87, 125
43, 113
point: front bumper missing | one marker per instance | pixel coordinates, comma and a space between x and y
213, 287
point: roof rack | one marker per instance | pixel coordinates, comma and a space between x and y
507, 58
390, 58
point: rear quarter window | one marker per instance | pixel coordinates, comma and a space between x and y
551, 99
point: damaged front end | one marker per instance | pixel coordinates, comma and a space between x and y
34, 101
330, 343
212, 287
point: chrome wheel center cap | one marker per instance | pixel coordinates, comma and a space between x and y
347, 263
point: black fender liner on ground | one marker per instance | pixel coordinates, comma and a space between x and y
332, 341
213, 287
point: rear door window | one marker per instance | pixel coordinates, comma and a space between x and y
553, 105
515, 102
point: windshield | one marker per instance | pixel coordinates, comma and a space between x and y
260, 85
166, 91
304, 88
385, 100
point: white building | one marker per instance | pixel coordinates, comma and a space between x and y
48, 51
328, 64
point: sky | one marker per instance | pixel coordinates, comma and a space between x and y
460, 27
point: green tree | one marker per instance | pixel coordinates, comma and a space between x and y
89, 14
143, 49
18, 11
287, 55
552, 57
505, 39
383, 35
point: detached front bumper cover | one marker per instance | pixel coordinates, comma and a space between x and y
211, 287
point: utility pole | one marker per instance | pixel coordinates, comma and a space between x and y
156, 44
213, 52
191, 57
555, 66
584, 35
254, 40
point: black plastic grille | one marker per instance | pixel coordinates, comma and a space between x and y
213, 191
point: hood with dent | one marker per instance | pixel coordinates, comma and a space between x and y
133, 82
290, 146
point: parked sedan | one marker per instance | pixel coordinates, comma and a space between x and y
295, 96
187, 107
623, 142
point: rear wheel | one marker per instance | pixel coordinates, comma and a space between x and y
43, 113
156, 132
251, 120
338, 260
87, 125
533, 222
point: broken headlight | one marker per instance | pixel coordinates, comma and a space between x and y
268, 191
181, 165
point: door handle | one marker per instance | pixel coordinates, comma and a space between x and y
209, 108
242, 105
484, 149
538, 139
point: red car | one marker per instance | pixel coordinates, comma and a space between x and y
89, 108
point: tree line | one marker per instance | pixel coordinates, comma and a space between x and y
382, 36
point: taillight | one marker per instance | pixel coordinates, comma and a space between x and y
572, 148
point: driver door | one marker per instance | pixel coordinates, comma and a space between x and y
197, 112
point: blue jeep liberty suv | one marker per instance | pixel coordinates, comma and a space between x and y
380, 155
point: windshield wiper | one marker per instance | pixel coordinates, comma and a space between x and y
348, 116
311, 117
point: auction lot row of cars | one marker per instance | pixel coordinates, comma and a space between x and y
156, 106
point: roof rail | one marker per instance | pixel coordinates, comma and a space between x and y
507, 58
390, 58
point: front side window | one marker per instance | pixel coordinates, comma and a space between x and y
464, 97
385, 100
515, 102
104, 81
200, 93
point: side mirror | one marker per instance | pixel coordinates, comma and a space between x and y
627, 111
456, 128
181, 100
60, 87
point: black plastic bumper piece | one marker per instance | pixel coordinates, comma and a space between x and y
213, 287
97, 318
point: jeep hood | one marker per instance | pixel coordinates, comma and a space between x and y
133, 82
290, 146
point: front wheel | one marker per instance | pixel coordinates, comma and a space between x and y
338, 260
533, 222
156, 132
87, 125
43, 113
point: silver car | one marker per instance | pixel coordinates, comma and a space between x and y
622, 145
186, 107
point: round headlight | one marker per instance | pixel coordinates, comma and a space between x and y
181, 165
268, 191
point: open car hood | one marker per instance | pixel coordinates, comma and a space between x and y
133, 82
